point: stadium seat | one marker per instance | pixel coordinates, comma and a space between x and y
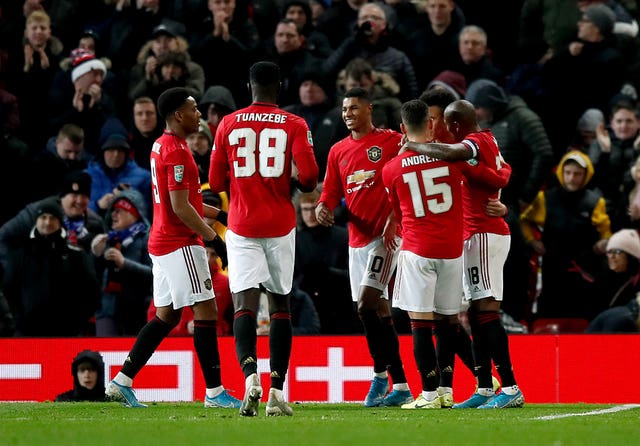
559, 325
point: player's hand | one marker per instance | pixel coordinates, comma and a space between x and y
210, 234
495, 208
324, 215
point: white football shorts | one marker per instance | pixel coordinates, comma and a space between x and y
371, 265
428, 285
181, 277
261, 261
484, 256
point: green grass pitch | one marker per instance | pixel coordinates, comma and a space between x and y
95, 424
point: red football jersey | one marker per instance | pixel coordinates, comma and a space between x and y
476, 190
172, 168
426, 195
251, 158
354, 171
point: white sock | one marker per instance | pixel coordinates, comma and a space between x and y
443, 390
430, 395
250, 379
401, 386
511, 390
277, 393
486, 392
212, 393
123, 380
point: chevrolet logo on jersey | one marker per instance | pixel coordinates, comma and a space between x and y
360, 176
374, 154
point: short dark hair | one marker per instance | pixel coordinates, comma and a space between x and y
264, 73
358, 92
414, 113
437, 97
171, 100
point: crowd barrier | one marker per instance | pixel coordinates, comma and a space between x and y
549, 368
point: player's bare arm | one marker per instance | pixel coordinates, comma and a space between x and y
389, 233
447, 152
215, 213
188, 214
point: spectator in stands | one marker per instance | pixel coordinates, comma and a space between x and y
382, 88
321, 268
315, 41
289, 52
592, 59
475, 61
31, 75
124, 267
64, 154
87, 370
525, 146
613, 153
81, 223
113, 170
84, 102
338, 20
14, 152
216, 103
370, 42
164, 62
145, 130
585, 133
200, 144
618, 284
51, 286
317, 106
232, 36
433, 45
575, 228
452, 81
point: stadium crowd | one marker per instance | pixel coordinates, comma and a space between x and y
556, 81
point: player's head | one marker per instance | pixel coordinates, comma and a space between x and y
437, 100
178, 107
357, 109
264, 80
414, 117
460, 118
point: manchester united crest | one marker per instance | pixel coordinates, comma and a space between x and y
374, 154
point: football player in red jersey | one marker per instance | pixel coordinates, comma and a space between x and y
486, 245
181, 275
254, 153
354, 171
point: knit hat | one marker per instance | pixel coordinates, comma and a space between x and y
452, 81
203, 129
78, 182
126, 205
487, 94
83, 61
169, 28
113, 134
602, 17
590, 119
51, 206
626, 240
219, 95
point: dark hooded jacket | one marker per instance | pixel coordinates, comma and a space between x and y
79, 393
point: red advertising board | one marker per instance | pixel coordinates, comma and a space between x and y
549, 368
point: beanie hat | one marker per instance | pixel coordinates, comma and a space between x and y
203, 128
219, 95
602, 17
78, 182
126, 205
590, 119
113, 134
487, 94
51, 206
83, 61
452, 81
626, 240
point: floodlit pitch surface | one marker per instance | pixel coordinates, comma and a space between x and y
94, 424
